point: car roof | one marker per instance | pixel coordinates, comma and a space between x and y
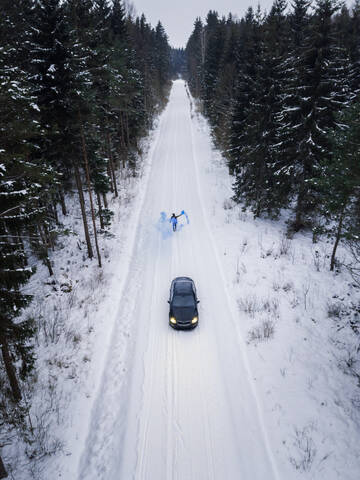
183, 285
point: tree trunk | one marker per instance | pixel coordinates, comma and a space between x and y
122, 136
89, 188
105, 200
19, 240
10, 369
298, 223
337, 238
48, 265
3, 472
54, 207
100, 211
112, 169
49, 242
62, 202
257, 209
83, 211
45, 246
127, 130
110, 177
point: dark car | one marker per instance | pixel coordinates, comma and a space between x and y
183, 303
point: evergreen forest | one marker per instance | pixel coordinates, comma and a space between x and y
281, 91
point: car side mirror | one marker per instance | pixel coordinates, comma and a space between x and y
168, 301
197, 301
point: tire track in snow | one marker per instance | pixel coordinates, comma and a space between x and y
184, 235
210, 451
143, 441
147, 395
170, 380
241, 342
98, 442
209, 443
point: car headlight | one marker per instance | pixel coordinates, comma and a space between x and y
173, 320
194, 320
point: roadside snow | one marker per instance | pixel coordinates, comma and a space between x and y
296, 316
75, 312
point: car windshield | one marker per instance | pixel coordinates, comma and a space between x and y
183, 301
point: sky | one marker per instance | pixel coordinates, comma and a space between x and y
178, 16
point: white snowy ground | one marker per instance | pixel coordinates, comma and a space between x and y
261, 389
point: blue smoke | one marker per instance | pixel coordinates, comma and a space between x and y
163, 225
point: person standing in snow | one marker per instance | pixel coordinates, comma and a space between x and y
173, 220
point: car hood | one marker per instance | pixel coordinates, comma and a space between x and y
184, 314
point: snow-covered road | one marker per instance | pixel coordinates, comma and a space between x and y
180, 405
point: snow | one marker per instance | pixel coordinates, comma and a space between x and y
35, 107
261, 389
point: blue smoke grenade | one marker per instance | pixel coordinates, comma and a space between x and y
186, 216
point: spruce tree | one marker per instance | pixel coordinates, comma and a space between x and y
195, 55
324, 91
247, 62
354, 48
215, 36
290, 119
257, 181
225, 84
162, 60
51, 76
19, 207
339, 182
26, 183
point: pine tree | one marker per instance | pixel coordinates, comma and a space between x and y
354, 48
257, 180
121, 93
88, 95
215, 37
142, 38
25, 186
247, 64
339, 182
195, 54
19, 207
225, 84
162, 60
324, 91
290, 119
51, 76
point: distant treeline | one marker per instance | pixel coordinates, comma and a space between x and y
178, 63
281, 92
80, 83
